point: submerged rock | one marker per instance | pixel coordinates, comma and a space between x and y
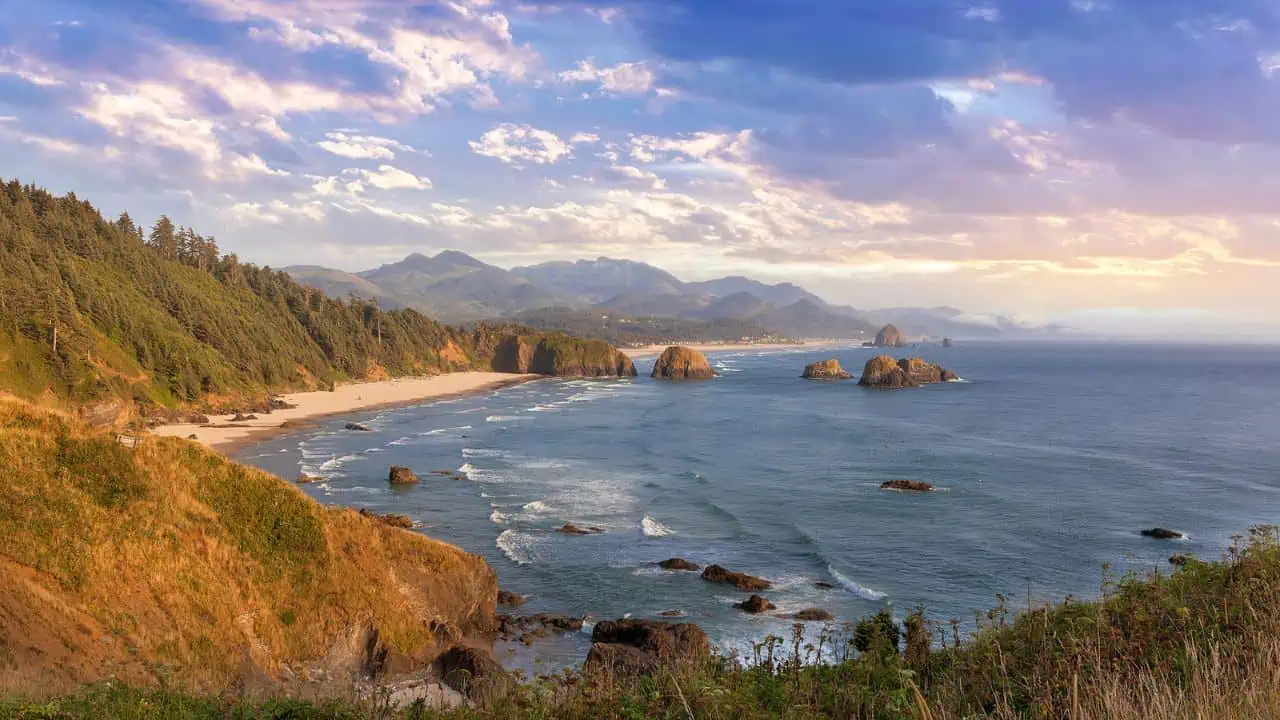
826, 370
889, 336
571, 529
824, 585
679, 564
357, 427
742, 581
401, 476
1160, 533
813, 615
906, 486
755, 604
671, 613
682, 363
529, 628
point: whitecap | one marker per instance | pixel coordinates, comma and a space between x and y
498, 517
401, 441
442, 431
482, 453
467, 468
653, 528
849, 584
544, 408
502, 418
517, 546
537, 506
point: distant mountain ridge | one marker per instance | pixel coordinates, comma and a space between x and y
457, 287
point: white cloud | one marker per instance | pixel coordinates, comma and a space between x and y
622, 79
512, 143
276, 212
362, 147
387, 177
254, 165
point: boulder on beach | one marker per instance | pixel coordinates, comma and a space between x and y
632, 646
755, 605
826, 370
401, 476
682, 363
906, 486
238, 417
474, 673
742, 581
510, 599
883, 371
1160, 533
357, 427
889, 336
571, 529
679, 564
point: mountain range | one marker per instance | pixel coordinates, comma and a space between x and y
455, 287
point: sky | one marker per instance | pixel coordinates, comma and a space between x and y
1109, 164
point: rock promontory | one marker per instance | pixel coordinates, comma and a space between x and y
826, 370
560, 356
682, 363
890, 336
883, 371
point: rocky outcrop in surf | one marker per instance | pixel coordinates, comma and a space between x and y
1160, 533
813, 615
826, 370
682, 363
560, 356
755, 605
742, 581
571, 529
889, 336
642, 646
401, 476
883, 371
906, 486
679, 564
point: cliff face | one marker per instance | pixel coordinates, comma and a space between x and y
682, 363
560, 356
165, 561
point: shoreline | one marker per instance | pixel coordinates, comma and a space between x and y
226, 437
654, 350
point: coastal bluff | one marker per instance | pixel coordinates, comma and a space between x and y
174, 565
682, 363
883, 371
560, 356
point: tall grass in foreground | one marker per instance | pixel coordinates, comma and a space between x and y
1203, 642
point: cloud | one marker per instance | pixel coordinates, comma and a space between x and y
513, 143
625, 78
362, 147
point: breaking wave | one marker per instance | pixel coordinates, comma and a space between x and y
653, 528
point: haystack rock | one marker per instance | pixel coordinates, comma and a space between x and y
560, 356
826, 370
682, 363
883, 371
890, 336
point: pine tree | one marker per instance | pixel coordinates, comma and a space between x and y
163, 239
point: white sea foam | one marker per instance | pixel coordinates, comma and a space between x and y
537, 506
517, 546
860, 590
551, 407
467, 469
442, 431
502, 418
482, 453
402, 441
498, 517
653, 528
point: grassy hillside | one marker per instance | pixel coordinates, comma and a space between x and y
165, 563
92, 311
1201, 643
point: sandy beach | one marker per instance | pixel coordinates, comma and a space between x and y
652, 350
222, 434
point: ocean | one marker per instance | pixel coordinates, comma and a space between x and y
1048, 458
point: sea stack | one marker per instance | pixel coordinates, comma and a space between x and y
682, 363
883, 371
826, 370
889, 336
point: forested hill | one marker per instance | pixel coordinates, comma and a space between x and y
94, 309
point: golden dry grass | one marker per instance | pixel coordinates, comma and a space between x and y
169, 563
